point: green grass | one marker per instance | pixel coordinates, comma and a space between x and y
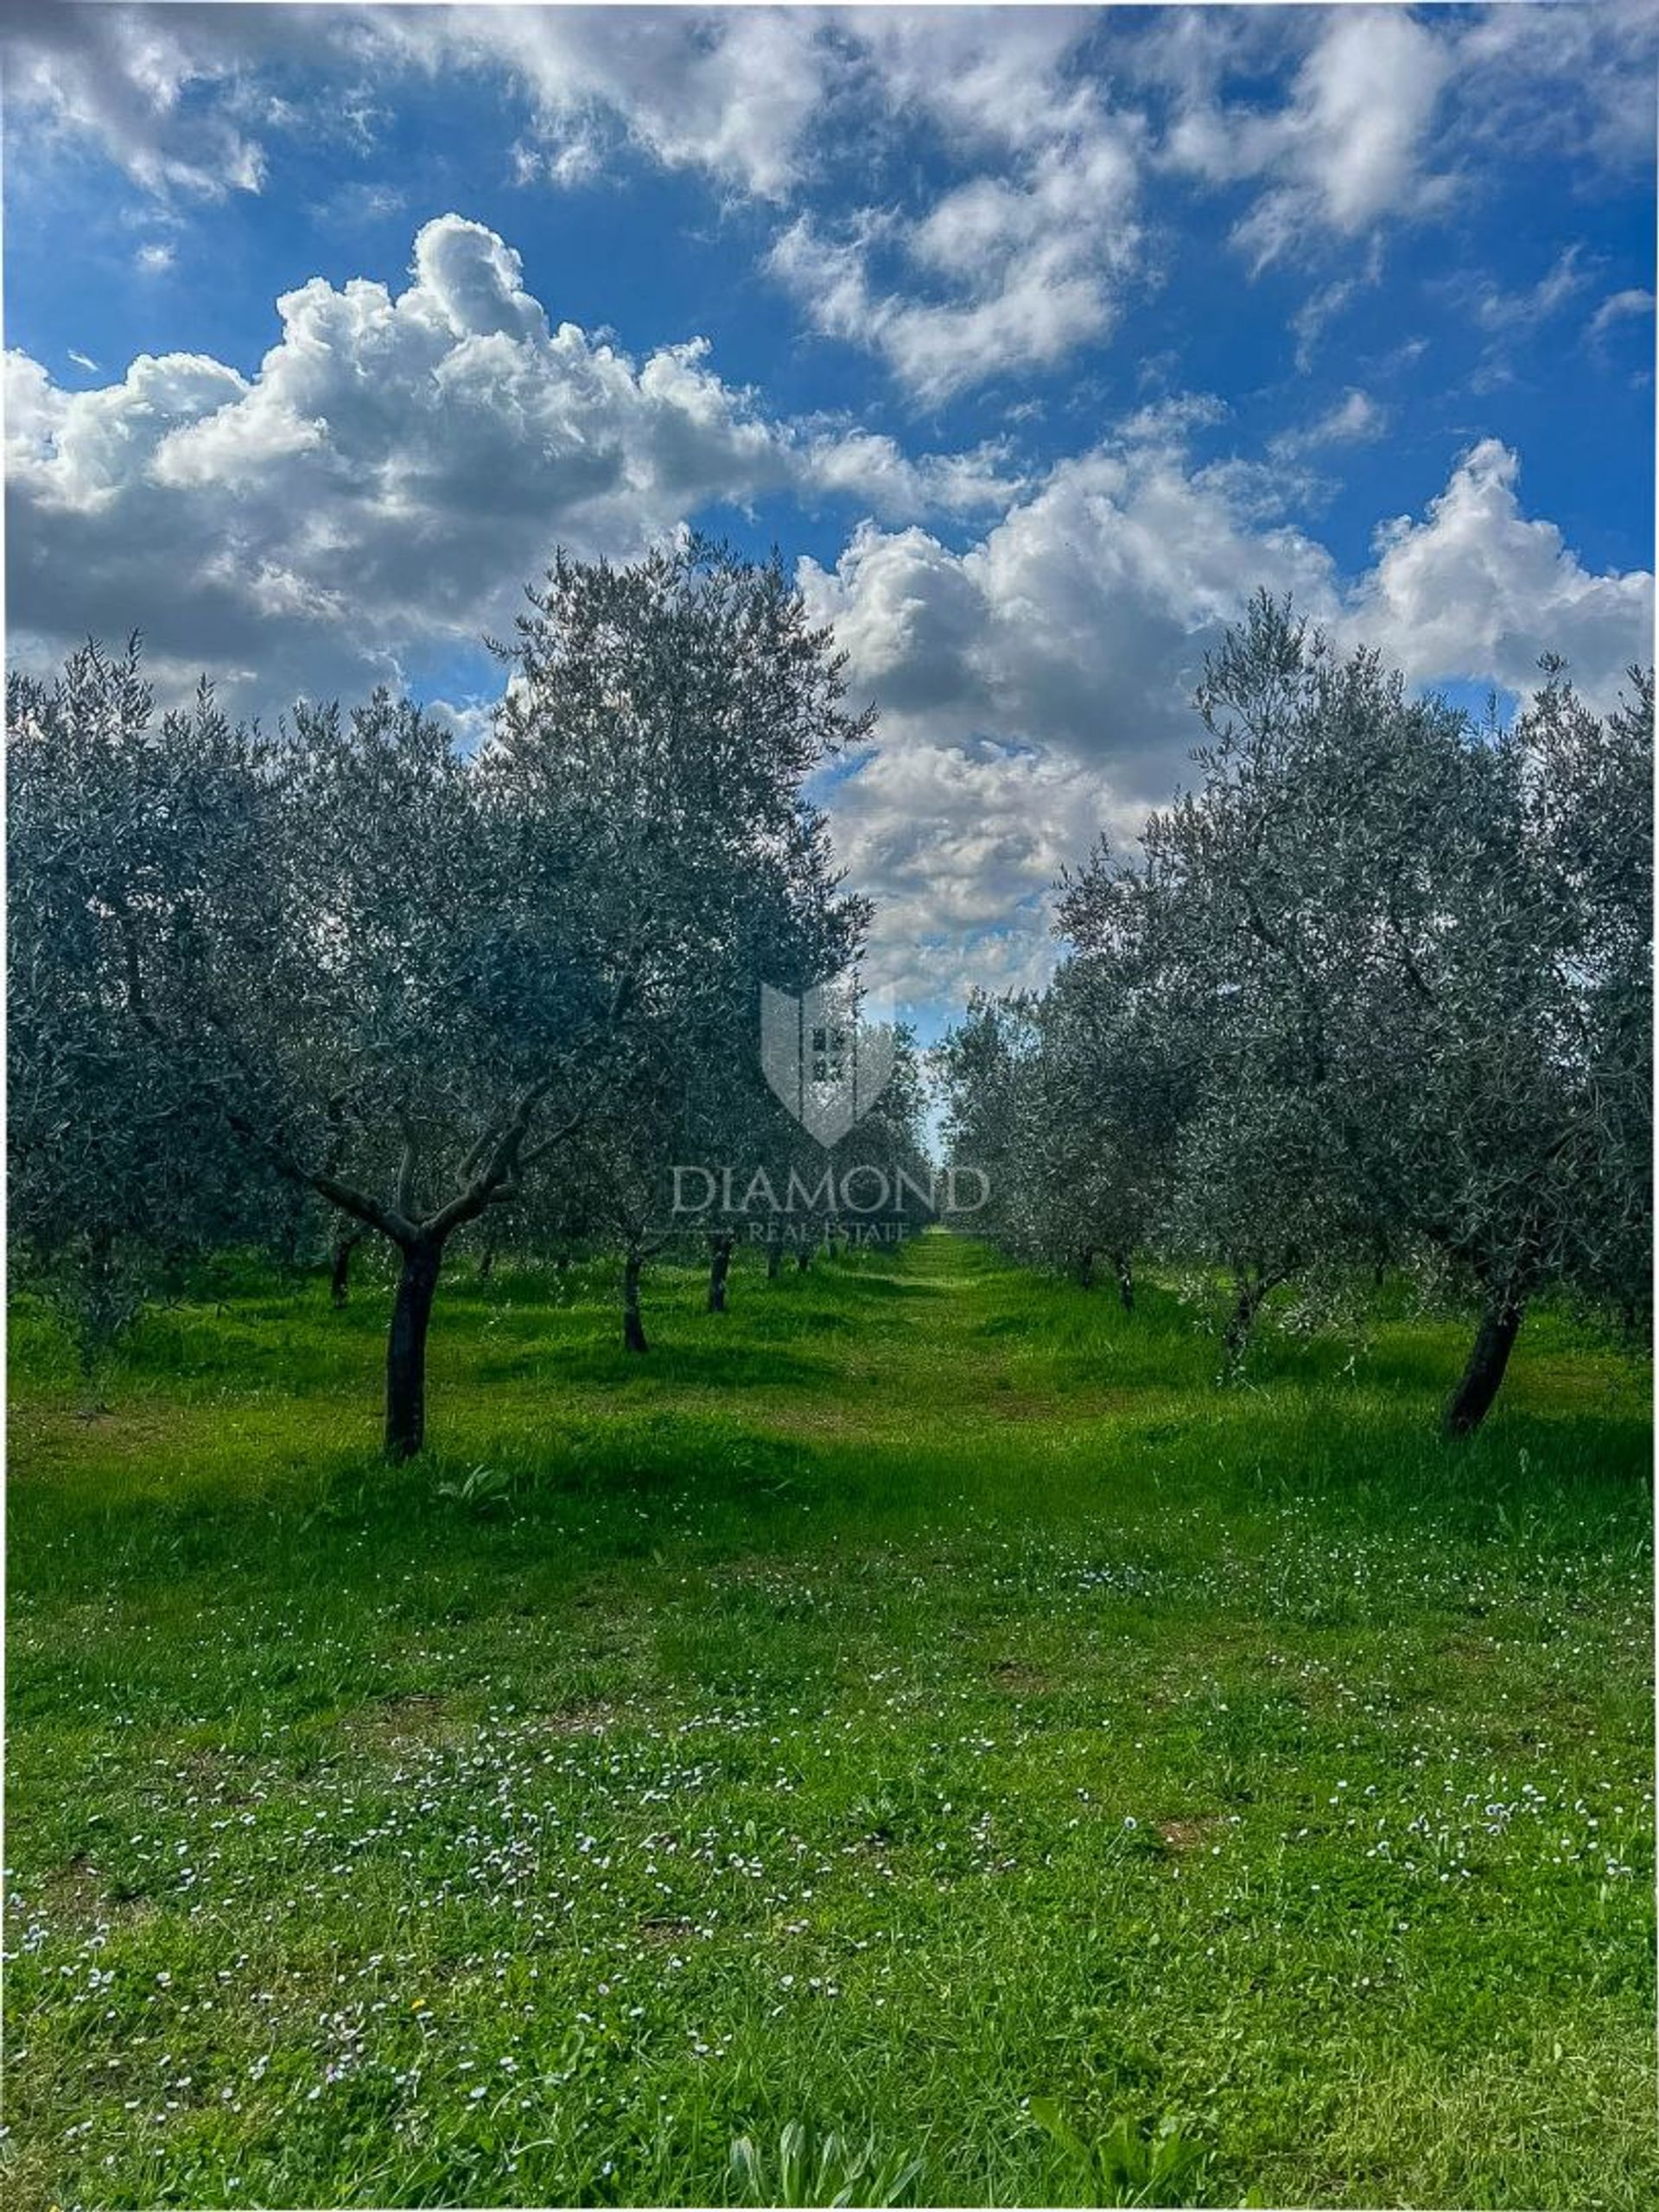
912, 1727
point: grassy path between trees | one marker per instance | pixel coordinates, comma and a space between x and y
914, 1705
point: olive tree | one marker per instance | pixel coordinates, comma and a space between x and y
1114, 1084
675, 710
1063, 1102
880, 1173
400, 977
1410, 945
983, 1065
317, 938
101, 1216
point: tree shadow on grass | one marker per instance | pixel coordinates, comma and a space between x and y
353, 1520
669, 1365
875, 1289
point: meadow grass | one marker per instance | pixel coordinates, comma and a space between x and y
912, 1728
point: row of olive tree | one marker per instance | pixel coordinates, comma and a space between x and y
689, 1153
1376, 990
421, 989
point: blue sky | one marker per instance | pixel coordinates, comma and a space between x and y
1036, 339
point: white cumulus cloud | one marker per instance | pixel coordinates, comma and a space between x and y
1035, 687
400, 462
1002, 273
1349, 147
1479, 589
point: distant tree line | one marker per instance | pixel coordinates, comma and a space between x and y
345, 974
1374, 994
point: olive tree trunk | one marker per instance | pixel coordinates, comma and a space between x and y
1125, 1272
1236, 1337
340, 1280
633, 1329
1241, 1323
720, 1264
1252, 1283
412, 1311
1488, 1356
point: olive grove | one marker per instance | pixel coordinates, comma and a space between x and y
1374, 991
1374, 994
345, 957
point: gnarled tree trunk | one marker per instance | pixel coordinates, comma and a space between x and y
1236, 1337
1124, 1270
1252, 1284
633, 1329
1488, 1356
1086, 1270
406, 1347
804, 1258
719, 1262
340, 1280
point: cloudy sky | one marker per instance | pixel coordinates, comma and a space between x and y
1036, 339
